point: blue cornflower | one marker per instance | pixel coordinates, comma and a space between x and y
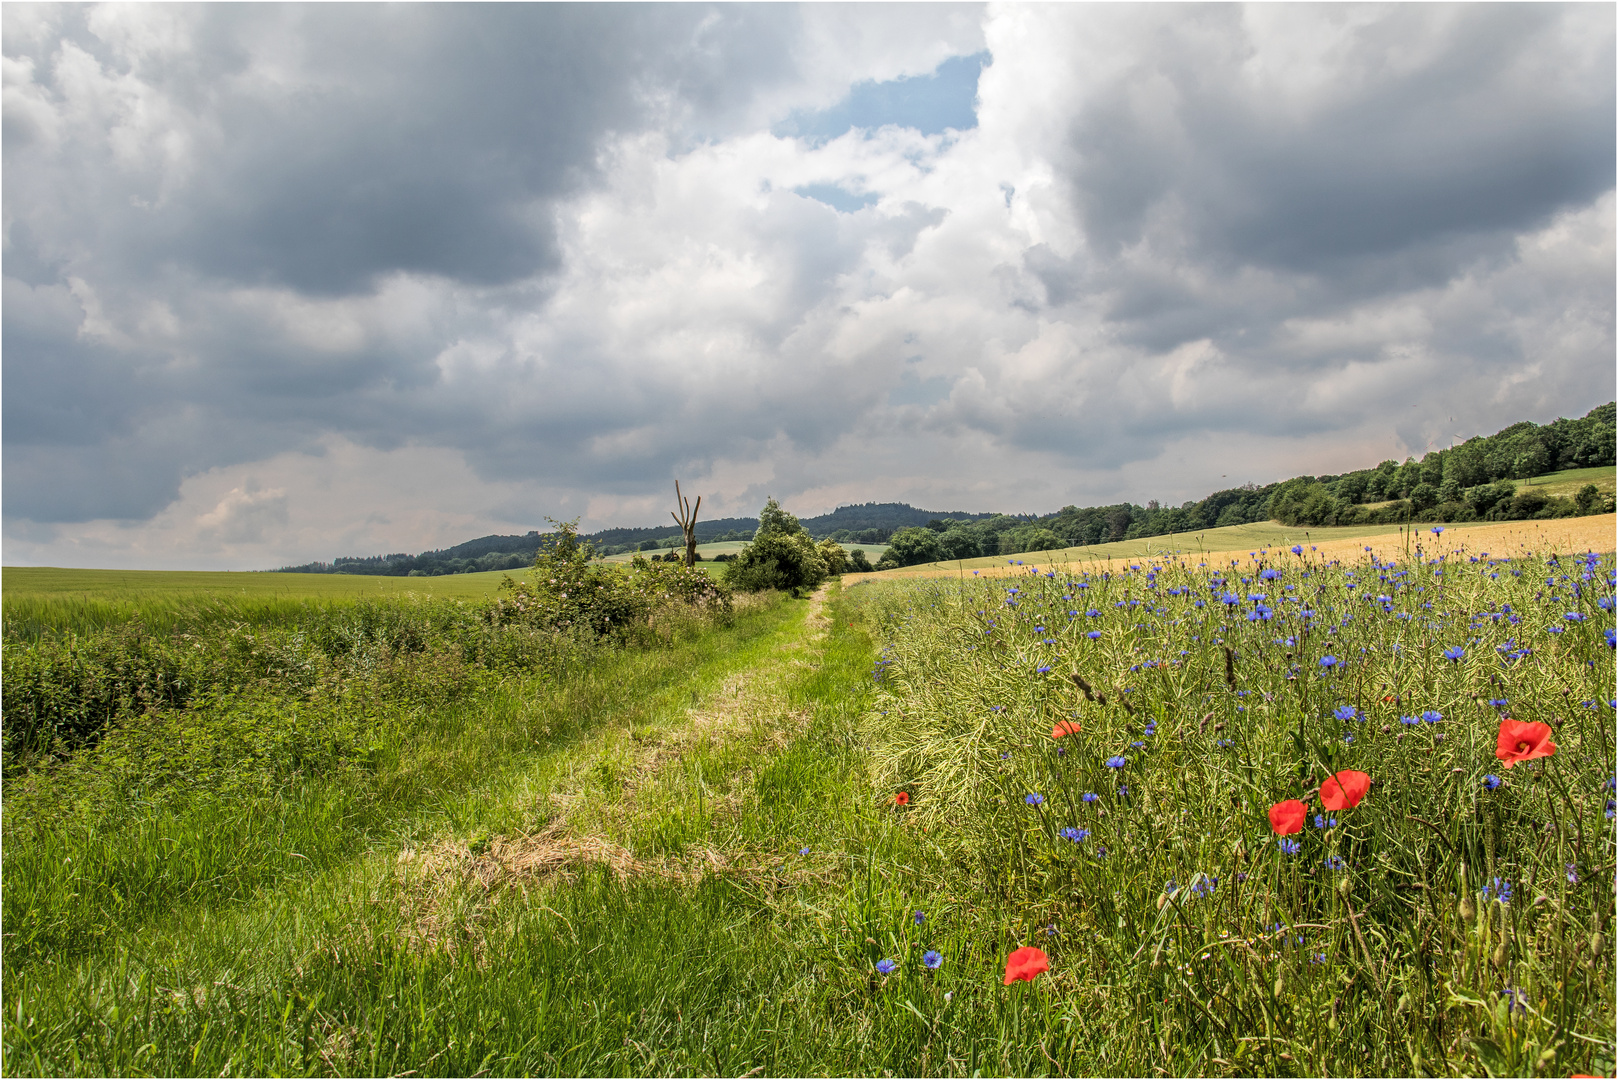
1572, 873
1269, 574
1117, 762
1289, 847
1322, 822
1033, 798
1454, 653
1151, 727
1042, 670
1573, 616
1554, 629
1297, 549
1328, 662
1205, 887
1075, 835
803, 851
1093, 634
1346, 713
1437, 529
1498, 702
1137, 745
920, 917
1093, 613
1335, 863
1432, 716
1409, 720
1491, 781
1089, 796
1500, 890
1612, 639
886, 966
1516, 1000
932, 960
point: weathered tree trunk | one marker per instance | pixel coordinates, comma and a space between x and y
687, 520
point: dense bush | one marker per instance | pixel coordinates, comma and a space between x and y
782, 556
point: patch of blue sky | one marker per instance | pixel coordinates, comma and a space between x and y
944, 100
839, 199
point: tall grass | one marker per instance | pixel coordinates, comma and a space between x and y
1454, 920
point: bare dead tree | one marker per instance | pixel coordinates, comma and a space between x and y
687, 520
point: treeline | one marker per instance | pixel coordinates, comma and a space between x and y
1470, 482
870, 523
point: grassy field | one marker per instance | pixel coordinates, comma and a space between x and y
391, 837
1568, 482
41, 599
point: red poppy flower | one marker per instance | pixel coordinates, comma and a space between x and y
1345, 790
902, 799
1025, 963
1065, 727
1523, 741
1287, 817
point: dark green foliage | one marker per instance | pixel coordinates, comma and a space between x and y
859, 562
910, 547
782, 556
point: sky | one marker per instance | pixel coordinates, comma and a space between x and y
289, 282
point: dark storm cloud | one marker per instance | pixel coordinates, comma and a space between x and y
1363, 186
318, 149
424, 139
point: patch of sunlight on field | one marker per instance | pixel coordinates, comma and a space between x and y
1568, 482
49, 582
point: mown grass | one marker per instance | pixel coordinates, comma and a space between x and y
1568, 482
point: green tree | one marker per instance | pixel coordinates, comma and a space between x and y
1588, 500
781, 556
833, 555
910, 547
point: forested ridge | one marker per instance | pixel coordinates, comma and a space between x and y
1473, 481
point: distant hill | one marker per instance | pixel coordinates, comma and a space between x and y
871, 523
1468, 482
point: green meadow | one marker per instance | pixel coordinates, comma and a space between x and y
373, 833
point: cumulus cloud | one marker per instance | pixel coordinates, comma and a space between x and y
529, 260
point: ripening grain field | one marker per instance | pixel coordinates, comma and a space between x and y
1298, 814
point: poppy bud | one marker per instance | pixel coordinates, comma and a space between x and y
1345, 886
1466, 909
1280, 984
1501, 955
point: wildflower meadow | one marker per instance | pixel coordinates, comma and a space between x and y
1301, 815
